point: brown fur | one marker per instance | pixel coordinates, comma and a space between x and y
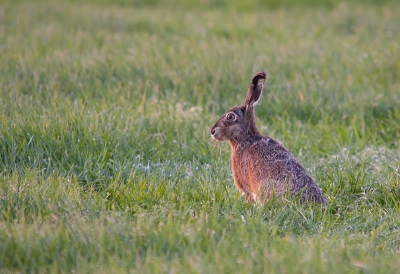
260, 165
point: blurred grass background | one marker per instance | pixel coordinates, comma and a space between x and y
106, 164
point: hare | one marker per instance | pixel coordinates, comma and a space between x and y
260, 165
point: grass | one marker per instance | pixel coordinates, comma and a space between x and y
106, 164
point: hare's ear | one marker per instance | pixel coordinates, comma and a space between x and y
255, 89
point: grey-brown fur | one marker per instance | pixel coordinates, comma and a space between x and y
261, 166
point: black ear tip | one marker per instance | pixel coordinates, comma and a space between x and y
259, 75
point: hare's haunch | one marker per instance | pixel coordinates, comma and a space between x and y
261, 166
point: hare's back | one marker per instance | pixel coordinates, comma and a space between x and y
278, 158
269, 150
270, 160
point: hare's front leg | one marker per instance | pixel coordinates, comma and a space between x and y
241, 186
238, 183
249, 197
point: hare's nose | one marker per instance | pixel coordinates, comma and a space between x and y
213, 131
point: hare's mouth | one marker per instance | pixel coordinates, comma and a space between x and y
215, 134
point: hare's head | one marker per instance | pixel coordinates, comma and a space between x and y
238, 123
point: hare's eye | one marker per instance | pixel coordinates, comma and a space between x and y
230, 116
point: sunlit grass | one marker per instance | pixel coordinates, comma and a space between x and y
106, 164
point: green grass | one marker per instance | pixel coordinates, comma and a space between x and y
106, 163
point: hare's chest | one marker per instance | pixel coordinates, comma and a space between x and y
246, 166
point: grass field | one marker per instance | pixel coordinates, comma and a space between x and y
106, 163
